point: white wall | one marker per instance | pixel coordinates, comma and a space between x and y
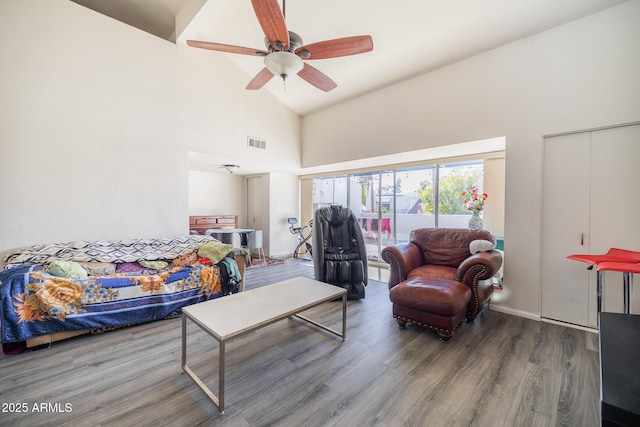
578, 76
218, 114
97, 119
493, 184
89, 138
217, 194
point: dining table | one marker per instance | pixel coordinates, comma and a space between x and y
225, 235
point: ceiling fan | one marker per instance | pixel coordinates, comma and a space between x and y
285, 50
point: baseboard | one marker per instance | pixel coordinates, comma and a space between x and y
569, 325
302, 256
527, 315
519, 313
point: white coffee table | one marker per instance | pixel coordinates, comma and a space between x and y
237, 314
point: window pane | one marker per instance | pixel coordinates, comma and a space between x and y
364, 190
389, 204
387, 207
414, 200
340, 190
454, 179
322, 192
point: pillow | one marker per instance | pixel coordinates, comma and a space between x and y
214, 250
128, 267
99, 268
480, 246
154, 265
184, 260
67, 269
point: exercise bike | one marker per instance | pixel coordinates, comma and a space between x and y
302, 240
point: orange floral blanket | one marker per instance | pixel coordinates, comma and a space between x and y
34, 303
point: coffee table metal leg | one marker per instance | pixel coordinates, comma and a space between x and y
221, 378
342, 334
219, 402
184, 343
344, 317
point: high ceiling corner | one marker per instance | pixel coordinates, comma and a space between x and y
157, 17
410, 38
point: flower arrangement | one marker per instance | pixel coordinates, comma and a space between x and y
473, 200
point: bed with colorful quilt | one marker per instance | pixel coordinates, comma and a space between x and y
53, 291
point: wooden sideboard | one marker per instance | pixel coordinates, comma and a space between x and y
201, 223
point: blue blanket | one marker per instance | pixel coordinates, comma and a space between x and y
34, 303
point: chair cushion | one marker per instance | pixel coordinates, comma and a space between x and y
447, 246
440, 296
434, 271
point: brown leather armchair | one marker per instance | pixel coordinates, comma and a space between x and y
443, 253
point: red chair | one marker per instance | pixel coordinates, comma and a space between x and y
613, 255
615, 259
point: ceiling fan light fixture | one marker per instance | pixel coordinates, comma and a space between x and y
283, 64
230, 168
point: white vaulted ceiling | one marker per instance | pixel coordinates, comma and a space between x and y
410, 37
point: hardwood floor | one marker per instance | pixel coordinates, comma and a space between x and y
499, 371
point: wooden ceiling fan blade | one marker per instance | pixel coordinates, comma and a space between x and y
219, 47
317, 78
272, 22
261, 79
338, 47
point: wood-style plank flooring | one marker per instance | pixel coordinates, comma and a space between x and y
499, 371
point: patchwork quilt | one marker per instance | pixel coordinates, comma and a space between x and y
34, 302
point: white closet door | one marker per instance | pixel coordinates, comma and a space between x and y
615, 203
565, 228
591, 203
254, 203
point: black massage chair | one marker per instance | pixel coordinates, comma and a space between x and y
339, 254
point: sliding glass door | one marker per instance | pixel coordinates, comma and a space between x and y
372, 201
415, 200
389, 204
330, 190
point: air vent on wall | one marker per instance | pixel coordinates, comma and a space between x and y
256, 143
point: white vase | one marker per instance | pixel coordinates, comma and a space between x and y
475, 222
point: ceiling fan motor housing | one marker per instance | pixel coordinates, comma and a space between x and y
295, 41
283, 63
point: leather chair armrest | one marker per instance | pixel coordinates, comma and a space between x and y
479, 266
402, 258
474, 272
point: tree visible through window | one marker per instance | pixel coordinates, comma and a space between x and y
453, 181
